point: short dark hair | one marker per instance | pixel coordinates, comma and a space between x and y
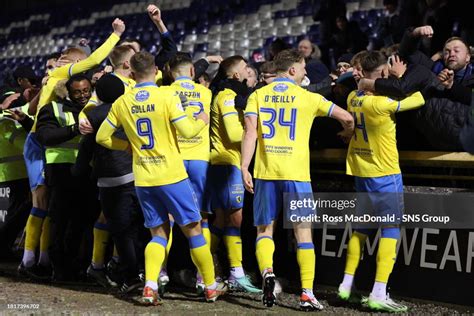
372, 60
277, 46
178, 60
131, 40
142, 63
268, 67
358, 57
76, 78
285, 59
456, 38
230, 62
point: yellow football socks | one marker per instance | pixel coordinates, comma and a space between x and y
202, 258
307, 263
233, 244
264, 249
354, 252
154, 256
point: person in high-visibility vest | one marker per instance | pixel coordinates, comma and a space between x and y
72, 61
73, 203
13, 176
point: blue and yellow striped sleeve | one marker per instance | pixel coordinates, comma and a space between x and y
251, 108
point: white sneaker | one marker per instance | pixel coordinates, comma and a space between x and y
163, 281
308, 303
386, 305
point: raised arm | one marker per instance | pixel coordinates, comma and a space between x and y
409, 45
98, 55
168, 46
201, 65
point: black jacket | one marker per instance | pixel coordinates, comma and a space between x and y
416, 78
106, 163
50, 133
441, 121
48, 130
167, 51
436, 125
460, 91
467, 133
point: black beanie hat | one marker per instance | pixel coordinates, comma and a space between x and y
109, 88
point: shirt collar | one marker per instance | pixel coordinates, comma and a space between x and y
145, 84
183, 78
283, 79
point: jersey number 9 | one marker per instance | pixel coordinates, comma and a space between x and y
144, 130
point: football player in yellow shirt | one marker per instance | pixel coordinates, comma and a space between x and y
120, 60
150, 117
372, 159
279, 117
73, 61
224, 174
195, 151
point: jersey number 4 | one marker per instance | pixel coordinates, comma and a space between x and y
144, 130
270, 123
360, 124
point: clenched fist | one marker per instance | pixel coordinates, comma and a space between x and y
154, 13
118, 26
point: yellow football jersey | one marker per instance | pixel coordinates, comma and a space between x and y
150, 116
373, 148
196, 98
226, 129
128, 83
66, 71
285, 114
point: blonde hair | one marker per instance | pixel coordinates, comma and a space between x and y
119, 54
75, 53
60, 89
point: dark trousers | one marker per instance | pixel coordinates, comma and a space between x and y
18, 209
73, 210
125, 221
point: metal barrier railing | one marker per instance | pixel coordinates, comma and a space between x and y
414, 164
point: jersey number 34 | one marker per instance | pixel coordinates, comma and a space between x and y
280, 116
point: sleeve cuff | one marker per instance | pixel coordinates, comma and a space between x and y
250, 114
331, 109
